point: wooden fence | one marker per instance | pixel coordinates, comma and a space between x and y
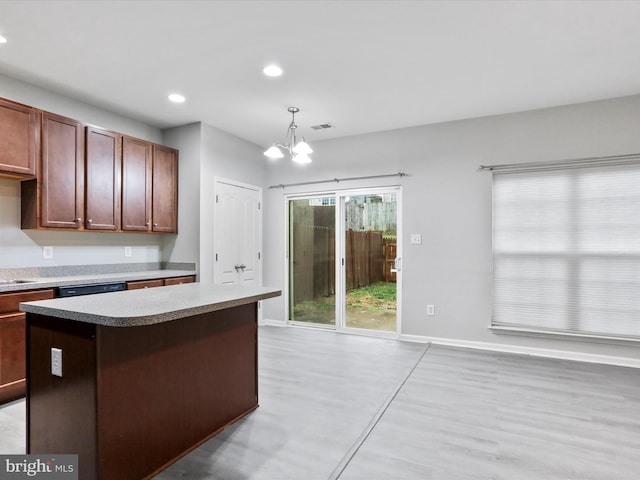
369, 259
379, 217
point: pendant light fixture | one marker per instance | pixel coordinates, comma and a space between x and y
299, 151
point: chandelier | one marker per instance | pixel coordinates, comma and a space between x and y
299, 151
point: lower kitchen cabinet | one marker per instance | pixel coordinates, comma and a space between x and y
179, 280
12, 342
145, 284
160, 282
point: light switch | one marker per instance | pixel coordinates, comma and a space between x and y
416, 239
47, 251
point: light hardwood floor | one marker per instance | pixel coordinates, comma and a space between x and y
348, 407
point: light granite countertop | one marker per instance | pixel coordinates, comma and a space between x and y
131, 308
31, 283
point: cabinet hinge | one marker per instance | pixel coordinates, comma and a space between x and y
258, 255
216, 198
259, 205
216, 257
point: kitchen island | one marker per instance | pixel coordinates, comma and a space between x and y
144, 376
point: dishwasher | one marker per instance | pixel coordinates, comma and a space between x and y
91, 289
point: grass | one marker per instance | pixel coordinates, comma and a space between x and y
373, 298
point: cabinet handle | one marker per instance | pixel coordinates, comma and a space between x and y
147, 224
155, 225
78, 220
89, 221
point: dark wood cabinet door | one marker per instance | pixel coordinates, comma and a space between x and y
164, 203
103, 167
136, 184
12, 342
179, 280
138, 284
18, 139
61, 180
12, 347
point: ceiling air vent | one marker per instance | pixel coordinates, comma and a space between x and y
322, 126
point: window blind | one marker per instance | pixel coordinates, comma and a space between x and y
566, 247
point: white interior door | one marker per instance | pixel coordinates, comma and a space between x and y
238, 233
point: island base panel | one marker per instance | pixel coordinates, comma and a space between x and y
157, 391
61, 411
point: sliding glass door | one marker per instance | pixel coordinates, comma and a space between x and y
342, 260
370, 251
312, 260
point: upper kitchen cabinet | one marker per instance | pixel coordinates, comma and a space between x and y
88, 178
56, 199
164, 203
18, 140
136, 185
103, 170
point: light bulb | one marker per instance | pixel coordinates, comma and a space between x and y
301, 158
302, 147
274, 152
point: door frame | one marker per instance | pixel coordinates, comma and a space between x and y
340, 273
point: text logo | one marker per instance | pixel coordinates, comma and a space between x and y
51, 467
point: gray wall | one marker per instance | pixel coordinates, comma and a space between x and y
185, 246
448, 201
23, 248
445, 199
69, 107
207, 153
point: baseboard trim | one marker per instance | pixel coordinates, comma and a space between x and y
272, 323
533, 351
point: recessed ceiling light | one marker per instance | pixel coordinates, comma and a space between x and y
176, 98
272, 71
3, 39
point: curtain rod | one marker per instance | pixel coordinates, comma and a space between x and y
574, 162
338, 180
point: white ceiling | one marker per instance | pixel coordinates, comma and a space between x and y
363, 66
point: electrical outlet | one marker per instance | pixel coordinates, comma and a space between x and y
416, 239
431, 310
47, 252
127, 251
56, 362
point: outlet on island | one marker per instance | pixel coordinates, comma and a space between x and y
56, 362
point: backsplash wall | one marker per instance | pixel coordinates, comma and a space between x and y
23, 248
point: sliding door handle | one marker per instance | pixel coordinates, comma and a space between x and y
397, 264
